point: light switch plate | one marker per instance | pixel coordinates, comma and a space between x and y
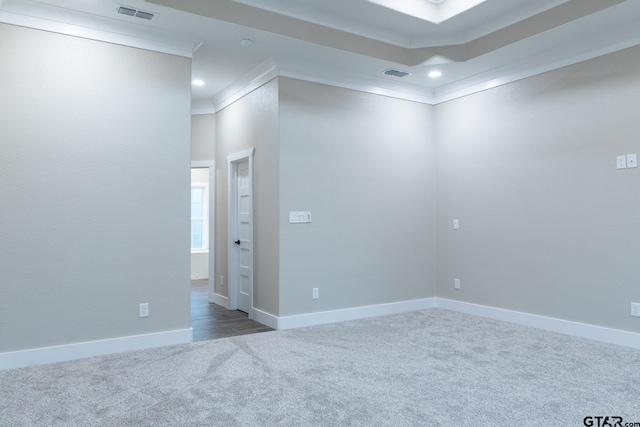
299, 217
456, 224
621, 162
632, 161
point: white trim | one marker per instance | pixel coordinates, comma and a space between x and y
232, 168
184, 48
582, 330
240, 155
255, 78
205, 217
61, 353
333, 316
265, 318
45, 355
211, 165
378, 85
567, 327
614, 41
200, 110
203, 164
268, 70
457, 90
131, 34
221, 300
199, 251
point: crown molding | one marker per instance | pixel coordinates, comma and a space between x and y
249, 82
621, 38
197, 111
349, 80
271, 68
587, 42
96, 28
356, 39
585, 48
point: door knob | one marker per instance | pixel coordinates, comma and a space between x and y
237, 242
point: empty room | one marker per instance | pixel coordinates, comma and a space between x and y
430, 210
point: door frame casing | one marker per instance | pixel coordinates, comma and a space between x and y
211, 165
232, 223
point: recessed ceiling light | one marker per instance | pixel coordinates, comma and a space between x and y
435, 74
246, 42
198, 82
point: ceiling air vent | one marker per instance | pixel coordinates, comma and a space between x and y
396, 73
130, 11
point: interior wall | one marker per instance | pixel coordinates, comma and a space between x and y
203, 133
363, 165
251, 122
94, 165
199, 265
547, 224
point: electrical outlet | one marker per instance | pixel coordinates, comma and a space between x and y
316, 293
621, 162
144, 309
635, 309
456, 283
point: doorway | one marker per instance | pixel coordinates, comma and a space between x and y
240, 223
202, 224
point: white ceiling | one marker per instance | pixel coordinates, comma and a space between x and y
477, 44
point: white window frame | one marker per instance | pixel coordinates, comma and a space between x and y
204, 186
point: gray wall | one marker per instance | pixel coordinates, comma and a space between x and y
367, 178
547, 224
94, 178
203, 132
363, 165
251, 122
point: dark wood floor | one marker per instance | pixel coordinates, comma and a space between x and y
211, 321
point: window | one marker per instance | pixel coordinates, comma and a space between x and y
199, 217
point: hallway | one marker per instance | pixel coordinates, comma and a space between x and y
211, 321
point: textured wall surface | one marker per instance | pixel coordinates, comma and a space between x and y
203, 134
251, 122
94, 178
547, 224
363, 165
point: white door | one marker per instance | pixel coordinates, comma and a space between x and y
244, 273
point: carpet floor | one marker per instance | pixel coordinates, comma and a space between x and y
424, 368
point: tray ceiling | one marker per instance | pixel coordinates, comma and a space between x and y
475, 44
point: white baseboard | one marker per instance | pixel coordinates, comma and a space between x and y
221, 300
333, 316
582, 330
61, 353
265, 318
40, 356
